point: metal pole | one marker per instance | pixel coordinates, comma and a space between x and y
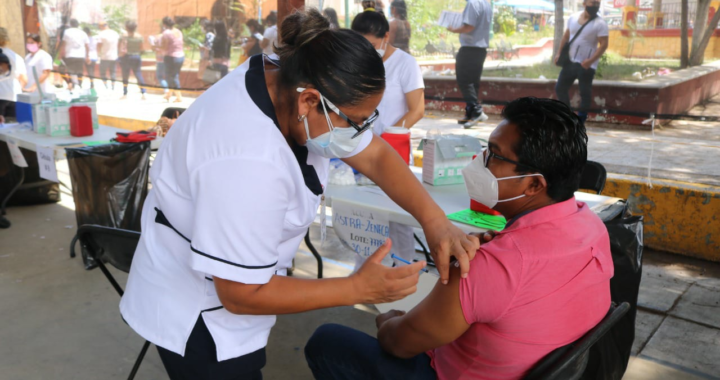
347, 14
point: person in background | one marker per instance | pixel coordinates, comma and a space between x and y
402, 104
13, 76
61, 68
540, 284
400, 32
270, 36
220, 52
331, 15
131, 57
173, 46
40, 62
252, 44
156, 44
93, 55
207, 45
108, 50
76, 52
585, 54
474, 37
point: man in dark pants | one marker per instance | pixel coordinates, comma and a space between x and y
585, 52
474, 37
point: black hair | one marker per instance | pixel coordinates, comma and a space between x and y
131, 26
35, 37
331, 15
371, 22
552, 140
255, 24
87, 30
74, 23
351, 69
271, 18
400, 8
4, 58
167, 21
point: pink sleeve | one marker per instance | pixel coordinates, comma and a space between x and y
494, 277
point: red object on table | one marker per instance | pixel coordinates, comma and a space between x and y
81, 121
400, 142
135, 137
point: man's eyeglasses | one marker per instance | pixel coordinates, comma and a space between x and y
367, 124
487, 154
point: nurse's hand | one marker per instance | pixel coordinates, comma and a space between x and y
377, 283
445, 240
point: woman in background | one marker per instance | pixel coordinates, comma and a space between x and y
40, 62
173, 46
331, 15
252, 43
12, 76
130, 57
400, 27
156, 44
220, 53
92, 55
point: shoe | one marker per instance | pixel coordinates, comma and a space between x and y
466, 118
167, 96
475, 120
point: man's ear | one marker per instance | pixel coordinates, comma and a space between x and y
537, 185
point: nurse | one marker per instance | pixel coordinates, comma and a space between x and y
236, 184
402, 104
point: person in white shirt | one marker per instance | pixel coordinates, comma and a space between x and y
76, 52
402, 105
108, 52
271, 33
40, 62
93, 55
236, 184
585, 53
12, 79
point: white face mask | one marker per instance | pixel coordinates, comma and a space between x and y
337, 143
482, 186
383, 46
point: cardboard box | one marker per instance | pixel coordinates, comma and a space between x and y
40, 118
446, 156
58, 120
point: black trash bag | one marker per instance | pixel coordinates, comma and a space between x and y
35, 189
110, 183
610, 356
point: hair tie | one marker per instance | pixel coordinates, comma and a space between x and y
370, 10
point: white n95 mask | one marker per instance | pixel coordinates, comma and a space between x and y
481, 184
337, 143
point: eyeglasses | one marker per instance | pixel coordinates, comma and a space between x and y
487, 154
367, 124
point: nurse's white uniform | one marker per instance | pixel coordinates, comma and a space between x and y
230, 199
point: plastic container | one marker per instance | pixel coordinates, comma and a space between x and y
81, 121
399, 139
23, 112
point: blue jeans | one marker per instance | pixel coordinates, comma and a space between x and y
172, 71
160, 74
131, 63
107, 67
339, 352
568, 74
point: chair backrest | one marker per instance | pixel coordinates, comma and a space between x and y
111, 245
593, 177
569, 362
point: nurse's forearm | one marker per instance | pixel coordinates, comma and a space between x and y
285, 295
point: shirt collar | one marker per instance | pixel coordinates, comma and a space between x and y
257, 88
543, 215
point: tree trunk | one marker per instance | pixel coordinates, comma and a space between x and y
559, 27
698, 53
699, 26
684, 50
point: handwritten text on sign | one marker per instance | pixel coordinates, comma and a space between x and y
46, 162
363, 230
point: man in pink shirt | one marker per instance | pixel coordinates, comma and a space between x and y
540, 284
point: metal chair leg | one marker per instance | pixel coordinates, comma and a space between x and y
315, 253
139, 360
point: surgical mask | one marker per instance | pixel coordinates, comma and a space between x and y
337, 143
381, 51
482, 186
33, 48
592, 10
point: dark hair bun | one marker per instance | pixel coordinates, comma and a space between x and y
300, 28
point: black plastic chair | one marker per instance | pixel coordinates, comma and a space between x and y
114, 246
593, 177
569, 362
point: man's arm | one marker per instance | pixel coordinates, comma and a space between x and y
436, 321
465, 28
603, 42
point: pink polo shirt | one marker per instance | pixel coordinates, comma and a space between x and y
542, 283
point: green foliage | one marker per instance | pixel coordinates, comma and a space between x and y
116, 16
505, 21
194, 35
423, 16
